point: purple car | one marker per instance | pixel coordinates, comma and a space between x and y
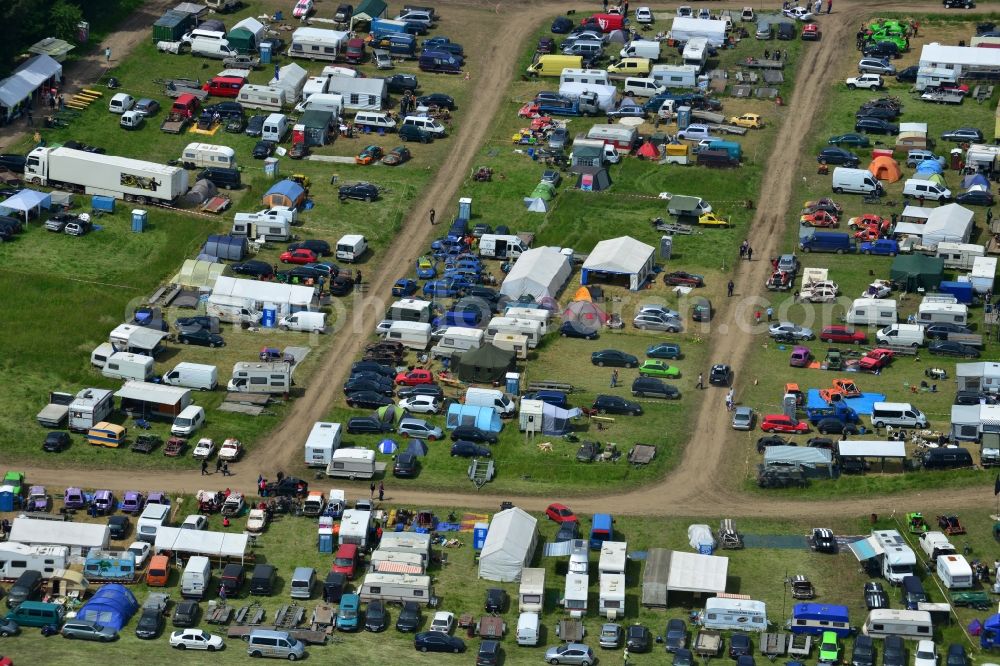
158, 497
38, 499
104, 502
133, 501
74, 498
801, 357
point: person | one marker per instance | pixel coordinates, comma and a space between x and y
756, 317
225, 469
107, 55
767, 54
204, 467
371, 490
222, 588
218, 465
433, 215
378, 533
381, 491
920, 200
31, 119
225, 521
277, 72
731, 398
989, 216
701, 381
749, 253
625, 656
614, 378
829, 6
770, 313
605, 6
729, 288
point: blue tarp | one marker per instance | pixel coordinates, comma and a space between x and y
929, 166
484, 418
862, 404
960, 290
112, 606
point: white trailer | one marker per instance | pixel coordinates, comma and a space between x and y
696, 52
575, 595
318, 44
125, 365
531, 593
323, 440
106, 175
959, 255
261, 378
257, 226
355, 528
407, 542
612, 558
386, 561
538, 314
611, 603
954, 571
396, 588
16, 558
352, 463
457, 339
91, 406
984, 270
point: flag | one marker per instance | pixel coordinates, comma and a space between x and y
996, 486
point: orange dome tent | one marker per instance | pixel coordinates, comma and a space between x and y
885, 168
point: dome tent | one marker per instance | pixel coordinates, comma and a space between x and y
585, 315
885, 168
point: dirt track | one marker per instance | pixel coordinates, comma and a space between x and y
693, 488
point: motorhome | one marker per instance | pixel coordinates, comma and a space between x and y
818, 618
872, 312
410, 309
613, 557
734, 614
199, 155
959, 255
351, 248
152, 518
351, 463
125, 365
417, 543
457, 339
16, 558
537, 314
322, 443
575, 595
528, 327
954, 571
890, 552
611, 602
695, 52
396, 588
495, 398
356, 528
193, 375
531, 592
251, 377
943, 313
909, 624
90, 407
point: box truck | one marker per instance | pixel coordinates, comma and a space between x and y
323, 440
193, 375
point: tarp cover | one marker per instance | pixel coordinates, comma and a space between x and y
917, 270
694, 572
509, 546
36, 532
200, 274
860, 448
159, 394
798, 455
539, 272
200, 542
700, 535
866, 549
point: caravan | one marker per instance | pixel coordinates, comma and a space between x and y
935, 312
575, 595
410, 309
396, 588
385, 561
531, 593
597, 77
125, 365
351, 463
734, 614
613, 557
318, 44
911, 624
537, 314
355, 528
611, 602
324, 438
412, 334
954, 571
16, 558
959, 255
675, 76
528, 327
818, 618
872, 312
416, 543
457, 339
198, 155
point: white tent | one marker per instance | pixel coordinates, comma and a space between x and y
27, 200
78, 537
291, 79
620, 256
509, 546
540, 272
286, 298
684, 29
200, 542
18, 88
253, 26
693, 572
951, 223
536, 205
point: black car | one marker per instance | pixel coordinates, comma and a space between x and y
893, 651
376, 617
368, 399
56, 441
232, 578
85, 147
360, 384
613, 358
546, 45
975, 198
627, 111
436, 641
414, 133
883, 49
772, 440
344, 13
201, 337
875, 596
739, 645
405, 466
13, 162
409, 617
341, 285
400, 83
150, 624
820, 443
568, 531
834, 155
572, 329
198, 321
561, 25
372, 366
612, 404
439, 100
823, 540
958, 4
676, 635
587, 452
290, 486
471, 433
875, 111
940, 331
436, 391
186, 613
956, 655
974, 398
908, 74
834, 426
950, 348
864, 651
360, 191
255, 125
57, 223
964, 135
360, 425
465, 449
875, 126
264, 149
489, 653
638, 638
118, 526
226, 110
496, 600
683, 658
786, 31
372, 376
720, 375
254, 267
320, 247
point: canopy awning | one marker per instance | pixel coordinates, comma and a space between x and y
858, 448
866, 549
693, 572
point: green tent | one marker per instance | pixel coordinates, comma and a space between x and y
242, 40
485, 365
916, 271
368, 11
544, 191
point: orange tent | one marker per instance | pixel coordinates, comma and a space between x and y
648, 150
582, 294
885, 168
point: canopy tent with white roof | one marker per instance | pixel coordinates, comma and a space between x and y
17, 89
220, 545
620, 256
288, 298
509, 546
540, 272
26, 201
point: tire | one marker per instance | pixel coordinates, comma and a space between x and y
600, 364
851, 86
292, 657
868, 252
456, 651
838, 190
914, 345
879, 424
211, 648
822, 161
840, 251
806, 250
185, 341
630, 365
181, 646
368, 199
892, 254
553, 661
768, 430
423, 649
602, 411
69, 637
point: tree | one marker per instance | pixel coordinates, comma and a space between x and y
63, 19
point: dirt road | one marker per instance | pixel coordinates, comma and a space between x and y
694, 487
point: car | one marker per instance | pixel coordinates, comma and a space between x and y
414, 133
405, 466
201, 337
358, 384
908, 74
683, 278
743, 418
56, 441
570, 653
443, 621
204, 449
893, 651
820, 218
940, 331
302, 9
772, 440
255, 125
850, 139
558, 138
568, 530
197, 321
360, 191
298, 256
439, 100
572, 329
404, 287
435, 641
376, 617
312, 271
421, 404
469, 450
613, 358
683, 658
627, 111
611, 635
400, 83
550, 176
369, 154
875, 359
560, 513
675, 637
612, 404
496, 601
875, 595
875, 126
473, 434
588, 452
8, 628
320, 248
843, 334
13, 162
434, 390
956, 655
147, 107
951, 348
88, 631
876, 66
397, 156
829, 648
118, 526
367, 399
964, 135
786, 329
409, 617
720, 375
652, 322
810, 32
195, 522
195, 639
782, 423
823, 540
958, 4
419, 429
786, 31
926, 654
263, 149
253, 267
881, 49
975, 198
414, 377
739, 644
561, 25
445, 287
798, 13
150, 624
836, 155
654, 368
141, 550
638, 638
644, 15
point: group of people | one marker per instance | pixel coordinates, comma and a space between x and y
746, 252
381, 490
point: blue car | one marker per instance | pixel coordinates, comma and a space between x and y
667, 350
441, 288
404, 287
460, 281
463, 274
885, 246
448, 245
425, 272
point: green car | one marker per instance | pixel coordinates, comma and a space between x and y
829, 651
859, 140
658, 369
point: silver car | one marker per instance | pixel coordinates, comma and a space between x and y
88, 631
570, 653
419, 429
660, 311
652, 322
876, 66
743, 418
788, 329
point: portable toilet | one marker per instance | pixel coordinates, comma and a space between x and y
666, 246
513, 383
479, 531
269, 316
325, 539
531, 416
683, 117
264, 50
7, 498
138, 221
271, 167
465, 208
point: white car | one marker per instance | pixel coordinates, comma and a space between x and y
256, 521
685, 11
824, 284
141, 550
303, 8
799, 14
869, 81
747, 15
421, 404
644, 15
926, 654
204, 449
820, 295
195, 522
231, 449
443, 622
196, 639
877, 289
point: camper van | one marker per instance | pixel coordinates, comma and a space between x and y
872, 312
959, 255
352, 463
537, 314
528, 327
901, 335
575, 595
818, 618
411, 334
531, 593
910, 624
351, 248
612, 560
895, 558
897, 414
482, 397
249, 377
734, 614
611, 602
410, 309
198, 155
954, 571
496, 246
124, 365
396, 588
321, 102
89, 407
152, 518
597, 77
197, 577
322, 443
943, 313
457, 339
16, 558
935, 544
193, 375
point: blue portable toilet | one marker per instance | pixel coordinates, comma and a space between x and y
465, 208
513, 383
271, 167
138, 221
102, 203
479, 531
269, 317
325, 540
683, 117
265, 53
7, 498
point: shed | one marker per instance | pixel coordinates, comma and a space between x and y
509, 547
284, 298
292, 79
485, 364
591, 178
171, 26
677, 571
484, 418
153, 400
200, 274
17, 89
981, 376
113, 605
917, 271
78, 537
619, 259
684, 29
218, 545
360, 94
949, 223
799, 455
285, 193
885, 168
226, 246
317, 126
368, 11
540, 272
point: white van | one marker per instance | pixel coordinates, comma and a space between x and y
352, 463
925, 189
495, 398
425, 123
267, 98
641, 48
188, 421
321, 102
277, 644
193, 375
856, 181
351, 247
196, 577
954, 571
124, 365
275, 128
314, 322
911, 624
872, 312
901, 414
935, 544
198, 33
643, 87
412, 334
212, 48
528, 629
943, 313
597, 77
200, 155
152, 518
901, 335
377, 120
120, 103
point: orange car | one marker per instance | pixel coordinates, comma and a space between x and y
820, 218
369, 155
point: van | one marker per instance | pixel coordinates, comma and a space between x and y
224, 86
924, 189
481, 397
425, 123
106, 434
153, 517
601, 530
351, 248
911, 592
346, 559
641, 48
910, 624
376, 120
901, 414
322, 102
158, 573
437, 61
701, 309
587, 49
204, 33
827, 241
275, 128
278, 644
120, 103
188, 421
553, 65
37, 614
643, 87
212, 48
207, 155
193, 375
401, 45
528, 629
262, 579
333, 587
856, 181
631, 66
27, 585
196, 579
412, 334
125, 365
954, 572
303, 580
223, 177
131, 120
349, 613
935, 544
901, 335
314, 322
872, 312
946, 458
414, 133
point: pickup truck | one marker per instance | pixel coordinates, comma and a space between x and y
586, 105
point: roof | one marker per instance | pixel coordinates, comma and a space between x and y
798, 455
33, 531
258, 290
693, 572
289, 188
370, 9
979, 369
509, 546
935, 54
950, 222
619, 255
859, 448
39, 69
365, 86
195, 273
540, 272
52, 47
252, 25
159, 394
25, 200
200, 542
139, 336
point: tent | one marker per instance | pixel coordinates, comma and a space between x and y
17, 89
583, 294
201, 542
200, 192
648, 151
950, 223
697, 573
26, 201
544, 191
591, 178
616, 37
246, 35
284, 298
417, 447
387, 446
368, 10
390, 413
616, 257
975, 179
112, 605
929, 166
885, 168
558, 421
536, 205
510, 544
684, 29
540, 272
200, 274
485, 365
799, 455
286, 193
225, 246
292, 79
931, 176
585, 313
484, 418
605, 94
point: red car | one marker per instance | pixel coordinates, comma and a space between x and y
842, 334
560, 513
414, 377
876, 359
820, 218
781, 423
683, 278
810, 32
300, 256
346, 560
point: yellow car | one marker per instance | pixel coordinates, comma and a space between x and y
713, 220
751, 120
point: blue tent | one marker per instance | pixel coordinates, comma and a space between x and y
387, 446
224, 246
975, 179
286, 193
484, 418
929, 166
417, 447
111, 606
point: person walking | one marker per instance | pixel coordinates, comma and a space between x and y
381, 491
749, 253
829, 6
756, 317
218, 465
433, 215
770, 313
701, 381
204, 467
225, 469
614, 378
107, 56
989, 216
730, 400
371, 490
625, 656
729, 289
